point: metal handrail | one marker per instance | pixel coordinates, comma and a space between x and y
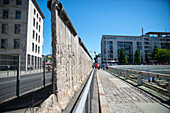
82, 102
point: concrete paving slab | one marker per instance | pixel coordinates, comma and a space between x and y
103, 102
152, 108
122, 97
118, 83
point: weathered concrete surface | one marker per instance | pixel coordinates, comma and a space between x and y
50, 105
152, 108
122, 97
72, 63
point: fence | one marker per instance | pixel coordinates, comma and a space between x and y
15, 85
156, 81
8, 65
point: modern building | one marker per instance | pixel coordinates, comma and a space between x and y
21, 31
111, 45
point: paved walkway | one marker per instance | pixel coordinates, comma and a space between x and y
117, 96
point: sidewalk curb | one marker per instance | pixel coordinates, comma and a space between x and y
103, 102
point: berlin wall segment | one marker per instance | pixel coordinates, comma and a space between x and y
72, 62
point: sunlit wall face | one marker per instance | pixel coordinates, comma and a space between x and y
128, 50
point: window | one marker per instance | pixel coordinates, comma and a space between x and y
28, 61
37, 25
36, 36
153, 35
39, 39
33, 33
18, 2
4, 28
104, 42
6, 2
39, 28
5, 14
17, 28
18, 15
38, 49
37, 15
34, 11
3, 43
32, 47
16, 43
39, 19
138, 38
34, 22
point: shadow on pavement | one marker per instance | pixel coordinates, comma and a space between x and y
33, 99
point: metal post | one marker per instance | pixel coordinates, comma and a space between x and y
7, 71
18, 76
44, 73
139, 79
126, 75
119, 72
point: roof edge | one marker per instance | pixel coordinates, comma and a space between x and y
38, 7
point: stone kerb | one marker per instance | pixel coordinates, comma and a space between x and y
71, 62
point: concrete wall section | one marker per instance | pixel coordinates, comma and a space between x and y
72, 64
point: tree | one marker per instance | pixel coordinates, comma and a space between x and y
137, 57
155, 52
163, 55
146, 57
49, 58
122, 57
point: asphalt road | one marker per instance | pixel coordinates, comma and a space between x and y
28, 83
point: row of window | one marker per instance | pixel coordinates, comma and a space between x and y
6, 13
120, 38
36, 48
6, 2
158, 35
34, 60
37, 27
37, 36
4, 43
37, 15
17, 28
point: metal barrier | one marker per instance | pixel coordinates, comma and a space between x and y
16, 85
156, 81
84, 105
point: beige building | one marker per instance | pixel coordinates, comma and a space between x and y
21, 31
111, 45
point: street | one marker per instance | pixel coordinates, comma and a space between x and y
27, 83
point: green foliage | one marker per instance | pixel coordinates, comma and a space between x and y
122, 57
155, 52
137, 57
163, 55
49, 58
146, 57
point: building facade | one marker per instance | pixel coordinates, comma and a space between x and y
111, 45
21, 31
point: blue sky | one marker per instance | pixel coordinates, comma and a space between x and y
94, 18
